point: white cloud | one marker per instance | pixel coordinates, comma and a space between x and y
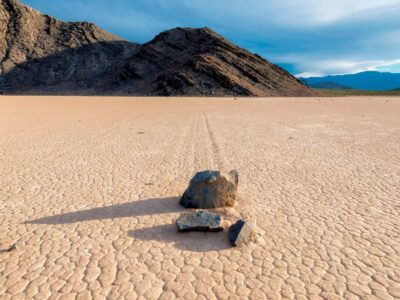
326, 12
309, 74
339, 67
291, 12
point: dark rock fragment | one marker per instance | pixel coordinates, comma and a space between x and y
241, 233
199, 220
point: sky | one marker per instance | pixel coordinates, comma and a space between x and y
308, 37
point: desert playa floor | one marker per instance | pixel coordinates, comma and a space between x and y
89, 189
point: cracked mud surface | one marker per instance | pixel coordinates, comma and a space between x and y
92, 203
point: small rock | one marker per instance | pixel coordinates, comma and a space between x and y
13, 247
199, 220
241, 233
211, 189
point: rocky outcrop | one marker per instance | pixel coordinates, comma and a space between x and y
199, 221
189, 61
39, 54
42, 55
241, 233
211, 189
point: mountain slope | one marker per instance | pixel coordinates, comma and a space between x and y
185, 61
374, 81
26, 34
41, 55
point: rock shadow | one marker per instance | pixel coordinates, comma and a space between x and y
187, 241
131, 209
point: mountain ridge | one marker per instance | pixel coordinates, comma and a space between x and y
369, 80
328, 85
42, 55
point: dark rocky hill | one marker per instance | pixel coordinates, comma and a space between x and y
41, 55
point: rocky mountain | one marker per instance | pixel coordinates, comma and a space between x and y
371, 80
42, 55
39, 54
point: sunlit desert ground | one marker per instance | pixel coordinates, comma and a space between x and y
89, 189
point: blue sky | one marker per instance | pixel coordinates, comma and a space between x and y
308, 37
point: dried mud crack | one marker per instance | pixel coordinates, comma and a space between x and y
77, 197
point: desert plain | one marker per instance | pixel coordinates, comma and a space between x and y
89, 189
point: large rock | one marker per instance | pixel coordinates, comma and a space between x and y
199, 220
241, 233
211, 189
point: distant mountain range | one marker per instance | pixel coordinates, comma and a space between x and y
372, 81
328, 85
42, 55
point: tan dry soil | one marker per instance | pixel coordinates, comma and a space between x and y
89, 189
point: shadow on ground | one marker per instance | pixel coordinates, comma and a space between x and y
188, 241
191, 241
130, 209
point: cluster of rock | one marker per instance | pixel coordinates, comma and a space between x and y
208, 190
